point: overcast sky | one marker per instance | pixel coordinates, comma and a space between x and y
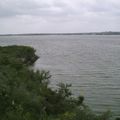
48, 16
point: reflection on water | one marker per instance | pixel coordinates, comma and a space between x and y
90, 63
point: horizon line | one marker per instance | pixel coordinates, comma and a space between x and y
59, 33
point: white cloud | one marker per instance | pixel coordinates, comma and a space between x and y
63, 15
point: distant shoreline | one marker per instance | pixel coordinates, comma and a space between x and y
90, 33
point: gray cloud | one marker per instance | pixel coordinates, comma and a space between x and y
52, 7
32, 7
38, 15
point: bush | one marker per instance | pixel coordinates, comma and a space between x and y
25, 94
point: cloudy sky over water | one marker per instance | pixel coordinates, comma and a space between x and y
49, 16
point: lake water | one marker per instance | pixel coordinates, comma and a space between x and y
90, 63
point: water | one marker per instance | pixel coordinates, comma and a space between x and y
90, 63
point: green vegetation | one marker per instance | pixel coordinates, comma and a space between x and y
25, 94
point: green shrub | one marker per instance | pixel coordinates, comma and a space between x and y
25, 94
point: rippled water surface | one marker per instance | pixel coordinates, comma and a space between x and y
90, 63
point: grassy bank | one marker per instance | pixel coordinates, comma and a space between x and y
25, 95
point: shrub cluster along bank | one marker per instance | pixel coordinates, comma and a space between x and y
25, 95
